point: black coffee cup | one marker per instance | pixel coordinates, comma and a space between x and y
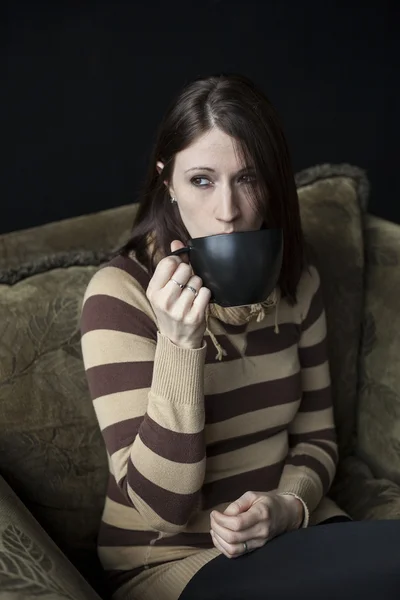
238, 268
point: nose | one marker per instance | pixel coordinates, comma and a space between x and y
227, 208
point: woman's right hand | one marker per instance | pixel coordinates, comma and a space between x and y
179, 310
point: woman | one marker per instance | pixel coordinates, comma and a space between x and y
218, 421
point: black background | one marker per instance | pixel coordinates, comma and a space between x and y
87, 82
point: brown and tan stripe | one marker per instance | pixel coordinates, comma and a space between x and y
119, 435
116, 283
179, 477
243, 441
119, 377
255, 457
126, 517
313, 421
129, 404
266, 341
316, 400
118, 493
315, 310
305, 461
315, 333
176, 417
116, 536
237, 374
102, 311
253, 397
232, 353
133, 268
170, 506
171, 445
328, 434
256, 421
315, 378
230, 489
110, 347
123, 516
168, 444
310, 356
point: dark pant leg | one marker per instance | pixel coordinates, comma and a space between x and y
339, 561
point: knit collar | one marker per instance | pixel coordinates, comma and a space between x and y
240, 315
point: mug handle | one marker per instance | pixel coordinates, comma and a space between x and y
180, 251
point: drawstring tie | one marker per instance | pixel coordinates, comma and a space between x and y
258, 311
220, 350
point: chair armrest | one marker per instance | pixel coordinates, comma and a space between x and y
378, 418
31, 565
363, 496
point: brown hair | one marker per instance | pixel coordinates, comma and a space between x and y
235, 105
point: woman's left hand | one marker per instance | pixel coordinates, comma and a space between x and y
252, 520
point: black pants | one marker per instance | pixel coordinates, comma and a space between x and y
335, 561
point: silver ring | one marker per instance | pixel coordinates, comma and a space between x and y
181, 285
192, 289
245, 547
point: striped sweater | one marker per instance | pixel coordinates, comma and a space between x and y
186, 433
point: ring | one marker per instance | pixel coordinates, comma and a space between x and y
245, 547
181, 285
192, 289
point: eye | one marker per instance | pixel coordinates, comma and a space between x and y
195, 181
248, 178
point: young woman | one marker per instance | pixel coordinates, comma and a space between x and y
218, 422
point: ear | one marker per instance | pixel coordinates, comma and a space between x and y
160, 167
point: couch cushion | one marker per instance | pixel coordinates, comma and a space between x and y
333, 200
101, 231
378, 441
51, 451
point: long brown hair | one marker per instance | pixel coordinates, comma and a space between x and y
235, 105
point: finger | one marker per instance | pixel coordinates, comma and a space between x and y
163, 273
236, 523
191, 289
185, 297
201, 302
241, 504
259, 531
181, 276
218, 546
229, 536
230, 550
176, 245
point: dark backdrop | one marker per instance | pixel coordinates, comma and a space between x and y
87, 83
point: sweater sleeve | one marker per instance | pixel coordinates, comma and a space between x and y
148, 398
311, 463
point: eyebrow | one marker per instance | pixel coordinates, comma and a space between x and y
213, 170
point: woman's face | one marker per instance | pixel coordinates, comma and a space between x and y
211, 187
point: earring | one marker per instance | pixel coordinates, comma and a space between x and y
173, 200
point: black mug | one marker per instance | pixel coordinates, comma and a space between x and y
238, 268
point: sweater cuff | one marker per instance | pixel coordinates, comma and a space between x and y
304, 489
306, 512
178, 373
